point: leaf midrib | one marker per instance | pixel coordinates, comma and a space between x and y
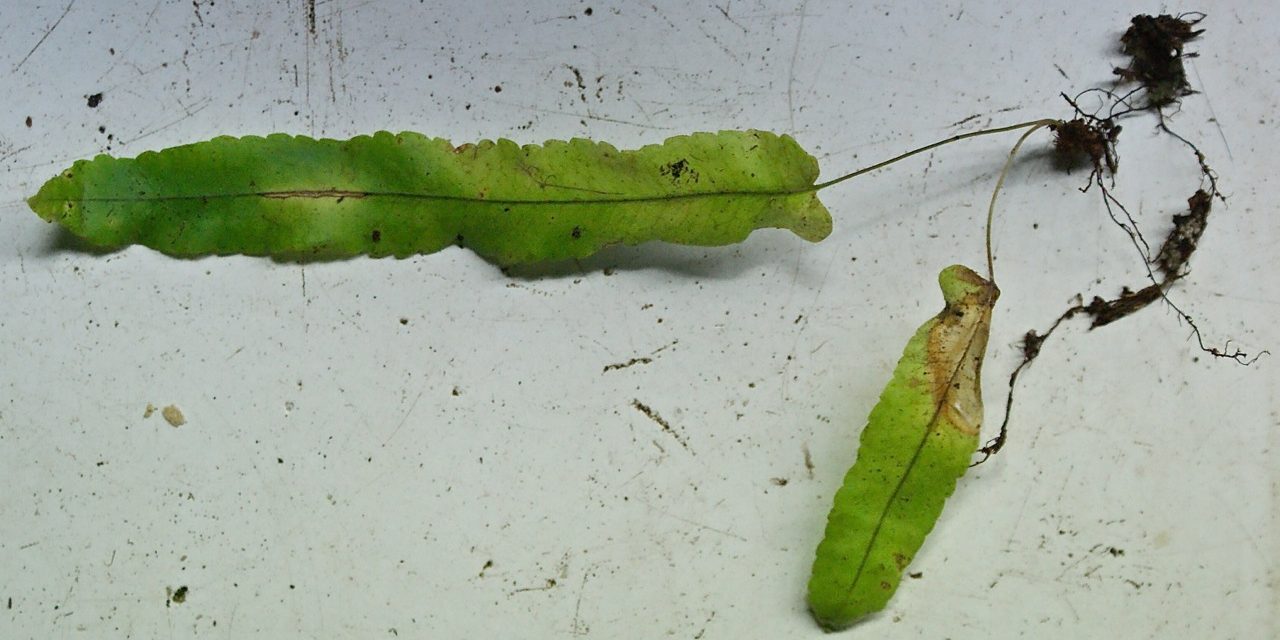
333, 194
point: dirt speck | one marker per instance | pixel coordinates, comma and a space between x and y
95, 100
662, 422
623, 365
28, 122
679, 170
147, 413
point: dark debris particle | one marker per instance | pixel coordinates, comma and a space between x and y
376, 236
179, 595
28, 122
95, 100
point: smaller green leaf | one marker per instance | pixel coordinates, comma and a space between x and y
918, 441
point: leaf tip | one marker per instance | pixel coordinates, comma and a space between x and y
959, 282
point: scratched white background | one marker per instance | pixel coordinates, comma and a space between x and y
429, 448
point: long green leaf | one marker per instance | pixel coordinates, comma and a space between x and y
404, 194
918, 441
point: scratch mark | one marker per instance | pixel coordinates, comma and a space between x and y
724, 11
791, 72
166, 125
664, 347
122, 52
405, 418
13, 153
662, 422
695, 523
588, 115
45, 36
1212, 113
729, 52
577, 628
1017, 522
311, 29
311, 17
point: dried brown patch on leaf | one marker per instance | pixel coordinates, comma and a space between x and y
955, 350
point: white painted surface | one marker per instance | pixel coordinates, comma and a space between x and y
363, 438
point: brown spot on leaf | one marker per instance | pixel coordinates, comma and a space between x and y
901, 561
